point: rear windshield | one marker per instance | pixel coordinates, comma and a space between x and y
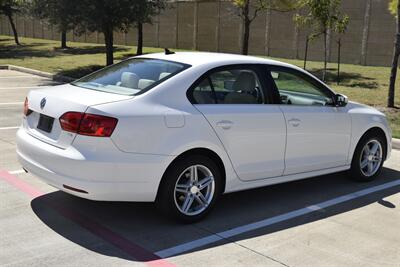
131, 77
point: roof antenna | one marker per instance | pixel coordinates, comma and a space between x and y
168, 52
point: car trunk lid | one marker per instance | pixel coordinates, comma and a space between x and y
48, 105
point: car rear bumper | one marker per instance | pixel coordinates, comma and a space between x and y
95, 167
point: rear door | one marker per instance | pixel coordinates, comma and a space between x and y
318, 132
233, 99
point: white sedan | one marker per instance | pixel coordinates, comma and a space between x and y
181, 129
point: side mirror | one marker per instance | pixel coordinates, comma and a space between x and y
341, 100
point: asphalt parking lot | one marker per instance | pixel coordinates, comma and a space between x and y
323, 221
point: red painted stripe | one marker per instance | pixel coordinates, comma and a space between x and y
21, 185
137, 252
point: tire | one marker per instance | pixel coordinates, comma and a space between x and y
180, 197
359, 171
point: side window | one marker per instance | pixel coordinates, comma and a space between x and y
234, 86
203, 93
294, 89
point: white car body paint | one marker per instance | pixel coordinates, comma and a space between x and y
257, 145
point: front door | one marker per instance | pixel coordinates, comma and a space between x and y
318, 133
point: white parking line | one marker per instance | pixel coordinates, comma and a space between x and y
9, 128
23, 76
22, 87
16, 172
11, 103
270, 221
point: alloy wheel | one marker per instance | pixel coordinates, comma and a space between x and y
194, 190
371, 158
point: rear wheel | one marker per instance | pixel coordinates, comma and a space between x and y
190, 188
368, 158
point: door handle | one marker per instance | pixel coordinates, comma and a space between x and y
225, 124
294, 122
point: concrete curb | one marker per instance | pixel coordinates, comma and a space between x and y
396, 143
54, 77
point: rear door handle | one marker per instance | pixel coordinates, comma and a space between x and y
225, 124
294, 122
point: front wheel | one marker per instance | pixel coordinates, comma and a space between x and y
368, 158
190, 188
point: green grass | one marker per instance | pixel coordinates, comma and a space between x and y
364, 84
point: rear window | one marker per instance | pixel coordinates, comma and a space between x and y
132, 76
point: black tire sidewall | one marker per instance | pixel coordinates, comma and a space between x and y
355, 165
165, 199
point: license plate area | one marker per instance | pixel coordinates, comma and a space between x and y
45, 123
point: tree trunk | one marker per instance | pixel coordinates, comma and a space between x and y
109, 42
306, 52
14, 29
139, 50
395, 62
246, 37
246, 28
364, 41
64, 39
325, 56
338, 61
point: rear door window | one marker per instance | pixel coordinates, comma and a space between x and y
230, 86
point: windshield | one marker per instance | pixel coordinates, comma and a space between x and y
132, 76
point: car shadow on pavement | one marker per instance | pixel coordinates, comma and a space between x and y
142, 225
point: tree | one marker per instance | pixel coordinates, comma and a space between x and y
248, 10
322, 16
9, 8
107, 16
146, 10
394, 7
60, 13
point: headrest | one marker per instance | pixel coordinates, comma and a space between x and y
143, 83
163, 75
245, 82
129, 80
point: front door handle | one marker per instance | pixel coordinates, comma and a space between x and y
294, 122
225, 124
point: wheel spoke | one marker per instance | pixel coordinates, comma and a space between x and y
367, 150
182, 188
201, 199
374, 148
194, 174
364, 163
376, 159
187, 203
370, 167
205, 182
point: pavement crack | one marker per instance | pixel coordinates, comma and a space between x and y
6, 141
229, 240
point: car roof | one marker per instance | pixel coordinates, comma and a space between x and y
209, 58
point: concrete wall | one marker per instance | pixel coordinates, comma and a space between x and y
212, 25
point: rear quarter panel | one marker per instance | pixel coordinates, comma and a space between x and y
163, 122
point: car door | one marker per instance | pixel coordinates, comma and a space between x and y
232, 99
318, 132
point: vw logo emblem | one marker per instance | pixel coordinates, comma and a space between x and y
43, 103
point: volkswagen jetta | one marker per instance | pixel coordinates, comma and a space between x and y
181, 129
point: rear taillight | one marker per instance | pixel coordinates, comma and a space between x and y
27, 111
70, 121
88, 124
